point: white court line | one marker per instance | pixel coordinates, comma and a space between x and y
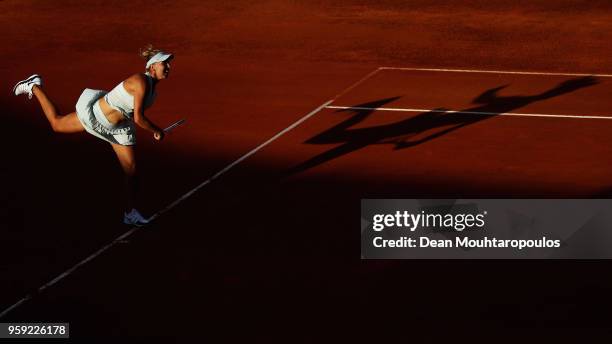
180, 199
467, 112
357, 83
239, 160
493, 71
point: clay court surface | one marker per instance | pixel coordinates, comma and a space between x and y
271, 247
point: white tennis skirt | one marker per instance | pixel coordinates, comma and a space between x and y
95, 122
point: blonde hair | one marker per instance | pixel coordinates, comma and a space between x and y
147, 52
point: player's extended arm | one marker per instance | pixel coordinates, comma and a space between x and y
138, 86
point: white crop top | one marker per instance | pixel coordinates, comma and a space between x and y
119, 98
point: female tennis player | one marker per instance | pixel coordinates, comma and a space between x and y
110, 116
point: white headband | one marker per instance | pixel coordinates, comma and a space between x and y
159, 57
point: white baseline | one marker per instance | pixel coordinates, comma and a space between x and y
492, 71
467, 112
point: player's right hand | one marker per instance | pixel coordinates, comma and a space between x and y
158, 135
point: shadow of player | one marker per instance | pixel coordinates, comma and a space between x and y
415, 130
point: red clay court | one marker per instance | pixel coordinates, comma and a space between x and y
296, 111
